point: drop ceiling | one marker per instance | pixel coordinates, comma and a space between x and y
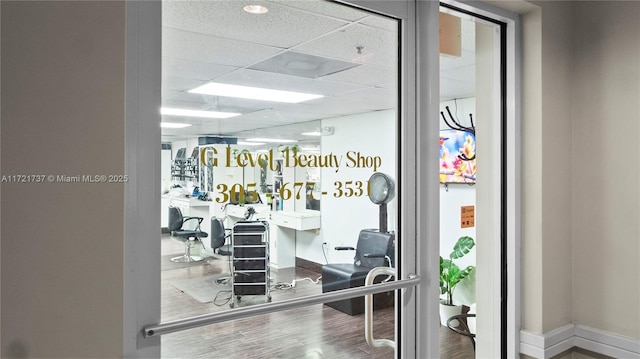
318, 47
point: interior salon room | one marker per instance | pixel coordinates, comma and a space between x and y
284, 179
296, 138
286, 135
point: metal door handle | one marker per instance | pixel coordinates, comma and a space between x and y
368, 309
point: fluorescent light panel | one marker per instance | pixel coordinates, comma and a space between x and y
271, 140
245, 143
253, 93
314, 133
174, 125
196, 113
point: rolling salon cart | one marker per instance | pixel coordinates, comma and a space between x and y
250, 241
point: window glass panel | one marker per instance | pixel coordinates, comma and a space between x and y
274, 124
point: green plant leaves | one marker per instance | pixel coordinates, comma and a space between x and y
450, 273
462, 247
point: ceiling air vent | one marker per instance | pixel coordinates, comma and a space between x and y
298, 64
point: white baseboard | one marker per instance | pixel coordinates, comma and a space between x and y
547, 345
550, 344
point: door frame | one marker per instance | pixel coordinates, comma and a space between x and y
503, 298
142, 164
143, 66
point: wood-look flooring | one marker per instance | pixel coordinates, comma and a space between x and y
312, 332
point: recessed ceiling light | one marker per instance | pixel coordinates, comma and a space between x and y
255, 9
271, 140
174, 125
253, 93
196, 113
314, 133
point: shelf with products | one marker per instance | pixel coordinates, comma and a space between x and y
184, 169
278, 181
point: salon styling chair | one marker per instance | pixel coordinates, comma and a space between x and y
373, 249
219, 236
187, 230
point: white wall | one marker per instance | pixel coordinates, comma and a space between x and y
546, 173
451, 199
605, 182
531, 264
581, 202
372, 134
63, 102
555, 176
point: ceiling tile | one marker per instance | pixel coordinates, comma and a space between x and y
366, 75
209, 49
179, 83
381, 22
451, 89
215, 40
324, 8
227, 19
379, 46
448, 63
173, 66
462, 73
168, 94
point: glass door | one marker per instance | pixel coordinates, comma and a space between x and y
293, 135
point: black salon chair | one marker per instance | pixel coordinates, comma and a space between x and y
187, 230
219, 236
374, 249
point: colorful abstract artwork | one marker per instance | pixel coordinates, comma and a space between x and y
457, 157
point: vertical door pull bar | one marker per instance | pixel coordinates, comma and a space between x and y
368, 309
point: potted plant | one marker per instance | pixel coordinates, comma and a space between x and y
451, 275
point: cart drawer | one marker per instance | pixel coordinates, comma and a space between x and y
244, 239
259, 277
240, 264
249, 227
250, 252
250, 289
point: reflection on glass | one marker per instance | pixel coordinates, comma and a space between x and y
298, 172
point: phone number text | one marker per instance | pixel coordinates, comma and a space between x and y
289, 190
